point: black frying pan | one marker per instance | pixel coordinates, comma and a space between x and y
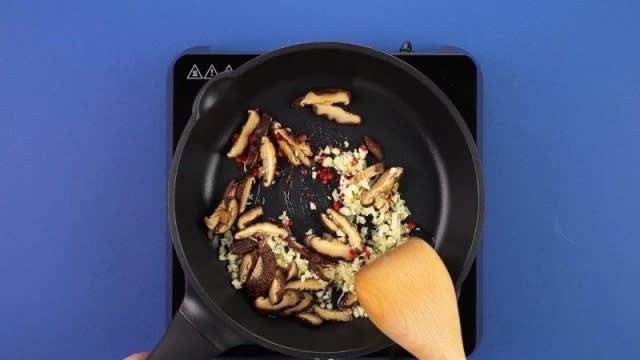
402, 109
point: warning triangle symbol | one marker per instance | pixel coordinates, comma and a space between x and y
194, 73
211, 72
228, 68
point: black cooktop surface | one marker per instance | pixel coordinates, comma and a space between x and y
452, 70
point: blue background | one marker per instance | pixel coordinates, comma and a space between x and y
84, 151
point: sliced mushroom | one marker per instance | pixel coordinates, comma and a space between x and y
308, 284
249, 216
265, 270
299, 248
225, 215
323, 96
288, 152
330, 247
337, 114
380, 203
314, 257
305, 148
333, 315
374, 148
347, 300
383, 185
243, 140
262, 228
277, 287
222, 214
230, 189
256, 274
243, 246
306, 302
346, 227
231, 212
268, 155
316, 261
309, 319
328, 223
246, 266
307, 239
258, 133
305, 159
243, 191
279, 131
368, 173
212, 221
285, 134
320, 270
296, 151
292, 271
290, 298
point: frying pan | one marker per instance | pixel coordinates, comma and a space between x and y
414, 122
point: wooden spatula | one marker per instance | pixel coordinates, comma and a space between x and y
409, 296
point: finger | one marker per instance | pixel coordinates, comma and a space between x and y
137, 356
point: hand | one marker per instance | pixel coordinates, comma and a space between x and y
137, 356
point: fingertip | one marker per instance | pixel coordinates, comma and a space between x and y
138, 356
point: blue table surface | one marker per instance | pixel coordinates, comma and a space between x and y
84, 150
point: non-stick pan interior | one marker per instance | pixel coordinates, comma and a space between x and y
416, 127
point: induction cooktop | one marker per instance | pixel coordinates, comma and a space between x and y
451, 69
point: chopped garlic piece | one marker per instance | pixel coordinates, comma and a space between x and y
327, 162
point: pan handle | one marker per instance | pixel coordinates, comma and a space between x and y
194, 333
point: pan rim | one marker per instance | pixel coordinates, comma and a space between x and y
387, 58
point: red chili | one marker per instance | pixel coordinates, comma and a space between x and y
411, 225
353, 254
336, 205
303, 138
326, 176
320, 159
255, 172
279, 137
